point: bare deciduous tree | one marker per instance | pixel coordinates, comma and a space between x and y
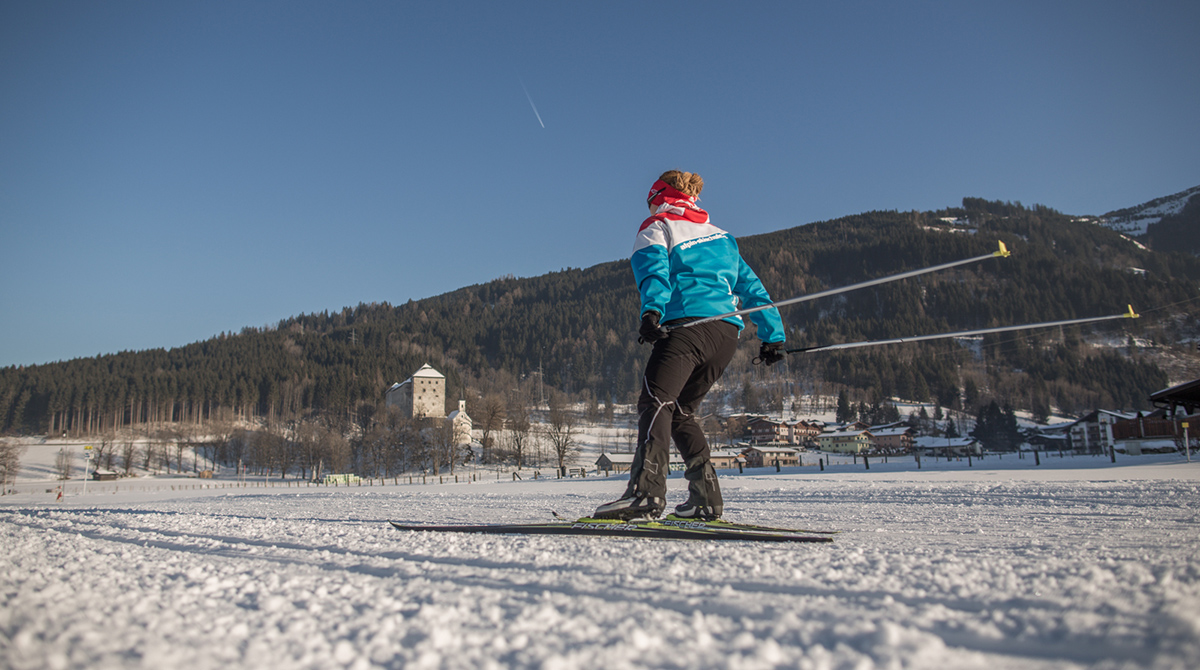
64, 462
520, 429
104, 450
10, 464
128, 456
391, 444
561, 431
443, 445
491, 421
337, 447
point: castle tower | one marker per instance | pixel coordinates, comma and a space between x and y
423, 394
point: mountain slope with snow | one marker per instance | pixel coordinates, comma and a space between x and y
1134, 221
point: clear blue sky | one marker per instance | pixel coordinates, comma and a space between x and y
171, 170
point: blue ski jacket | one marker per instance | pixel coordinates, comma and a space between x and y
687, 267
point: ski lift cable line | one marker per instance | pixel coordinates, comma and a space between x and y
1003, 252
965, 333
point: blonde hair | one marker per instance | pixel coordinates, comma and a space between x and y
688, 183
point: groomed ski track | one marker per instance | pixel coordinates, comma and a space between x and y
1008, 566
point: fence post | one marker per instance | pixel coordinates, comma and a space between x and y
821, 462
866, 462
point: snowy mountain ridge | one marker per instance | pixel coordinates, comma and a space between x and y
1134, 221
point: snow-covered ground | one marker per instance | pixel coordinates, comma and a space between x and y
1074, 563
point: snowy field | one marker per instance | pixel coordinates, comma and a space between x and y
1076, 563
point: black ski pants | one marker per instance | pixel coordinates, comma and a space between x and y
681, 370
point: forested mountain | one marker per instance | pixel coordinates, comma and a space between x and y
575, 331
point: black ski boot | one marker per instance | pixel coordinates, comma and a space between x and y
694, 510
632, 505
704, 493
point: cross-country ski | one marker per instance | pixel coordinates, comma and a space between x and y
665, 529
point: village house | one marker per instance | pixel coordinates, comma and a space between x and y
1093, 433
726, 459
846, 442
761, 456
805, 432
896, 440
763, 430
1050, 438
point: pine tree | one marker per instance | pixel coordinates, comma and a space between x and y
845, 411
951, 428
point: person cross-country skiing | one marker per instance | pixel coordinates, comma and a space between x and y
686, 269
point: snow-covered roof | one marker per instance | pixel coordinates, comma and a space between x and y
846, 433
888, 432
842, 427
627, 459
427, 372
1094, 416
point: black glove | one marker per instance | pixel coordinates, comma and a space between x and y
651, 331
770, 353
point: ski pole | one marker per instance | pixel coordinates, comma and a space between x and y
1001, 253
965, 333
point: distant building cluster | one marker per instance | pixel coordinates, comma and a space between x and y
768, 442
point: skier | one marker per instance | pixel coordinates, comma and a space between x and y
686, 269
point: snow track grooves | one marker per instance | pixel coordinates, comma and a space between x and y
963, 574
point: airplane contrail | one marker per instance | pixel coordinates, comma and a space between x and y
527, 97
